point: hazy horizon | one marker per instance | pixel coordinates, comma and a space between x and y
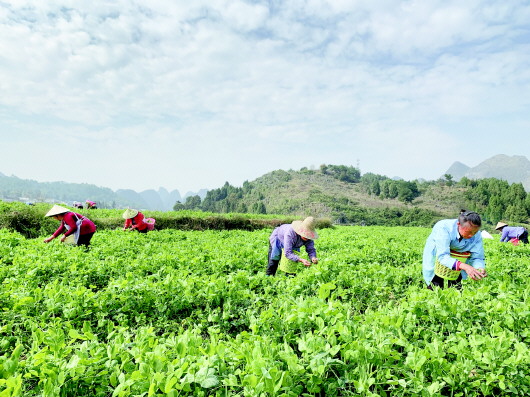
187, 193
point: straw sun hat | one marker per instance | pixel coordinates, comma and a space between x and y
57, 210
129, 213
306, 228
500, 225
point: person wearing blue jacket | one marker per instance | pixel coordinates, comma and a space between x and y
454, 251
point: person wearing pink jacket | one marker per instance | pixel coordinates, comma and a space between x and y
77, 228
134, 220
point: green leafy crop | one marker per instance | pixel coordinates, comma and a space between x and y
191, 313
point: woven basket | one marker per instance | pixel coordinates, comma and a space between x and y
450, 274
70, 240
444, 272
287, 265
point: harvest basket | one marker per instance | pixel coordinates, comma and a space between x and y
150, 223
70, 240
444, 272
287, 265
450, 274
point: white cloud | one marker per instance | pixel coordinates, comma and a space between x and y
349, 78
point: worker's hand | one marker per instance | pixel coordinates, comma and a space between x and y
47, 240
475, 274
305, 262
314, 260
63, 238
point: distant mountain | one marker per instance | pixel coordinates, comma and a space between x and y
13, 188
513, 169
160, 200
201, 193
132, 196
153, 199
458, 170
169, 199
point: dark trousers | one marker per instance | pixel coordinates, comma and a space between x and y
272, 264
142, 231
84, 239
440, 282
524, 237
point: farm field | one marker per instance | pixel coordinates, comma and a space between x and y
191, 313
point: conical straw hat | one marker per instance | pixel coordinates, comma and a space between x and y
500, 225
57, 210
129, 213
306, 228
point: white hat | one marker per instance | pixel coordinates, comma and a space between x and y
500, 225
306, 228
129, 213
57, 210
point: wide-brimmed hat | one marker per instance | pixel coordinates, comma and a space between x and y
57, 210
306, 228
129, 213
500, 225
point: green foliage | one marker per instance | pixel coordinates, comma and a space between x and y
189, 313
384, 187
448, 180
192, 203
497, 200
25, 219
30, 221
373, 200
342, 173
341, 194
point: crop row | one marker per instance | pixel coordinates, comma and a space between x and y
183, 313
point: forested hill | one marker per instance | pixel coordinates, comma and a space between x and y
342, 194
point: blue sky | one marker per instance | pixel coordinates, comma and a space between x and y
191, 94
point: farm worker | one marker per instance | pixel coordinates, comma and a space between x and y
134, 220
510, 232
454, 251
291, 237
91, 205
77, 229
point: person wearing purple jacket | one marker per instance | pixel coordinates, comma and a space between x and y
291, 237
509, 232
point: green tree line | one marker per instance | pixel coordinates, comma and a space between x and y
494, 199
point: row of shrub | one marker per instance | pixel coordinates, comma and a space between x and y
31, 222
